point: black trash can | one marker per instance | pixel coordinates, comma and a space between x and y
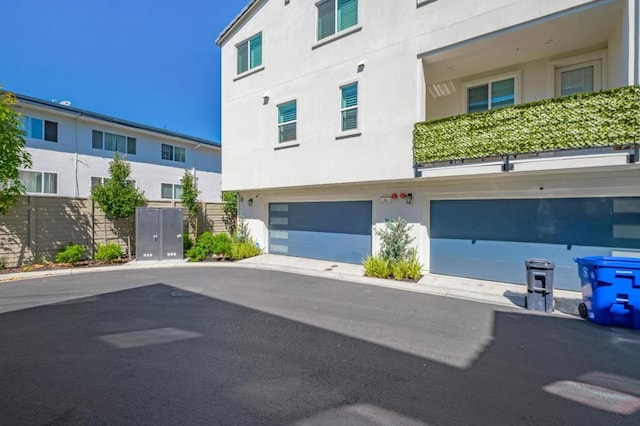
539, 285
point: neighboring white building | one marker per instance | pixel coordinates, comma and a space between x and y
71, 149
320, 100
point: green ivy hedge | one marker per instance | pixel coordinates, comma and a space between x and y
606, 118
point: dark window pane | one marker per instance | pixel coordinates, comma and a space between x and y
167, 152
131, 146
51, 131
96, 141
478, 99
503, 93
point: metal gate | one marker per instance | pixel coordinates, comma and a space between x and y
158, 233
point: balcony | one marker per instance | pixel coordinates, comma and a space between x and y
585, 123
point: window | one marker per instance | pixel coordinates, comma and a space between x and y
39, 182
250, 53
579, 78
491, 95
36, 128
335, 16
170, 191
95, 180
287, 121
349, 107
112, 142
173, 153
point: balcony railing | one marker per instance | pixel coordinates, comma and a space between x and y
604, 119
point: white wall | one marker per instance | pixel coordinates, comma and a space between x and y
388, 39
147, 167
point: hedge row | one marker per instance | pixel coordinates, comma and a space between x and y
606, 118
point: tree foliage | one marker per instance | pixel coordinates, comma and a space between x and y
118, 197
13, 155
189, 199
230, 211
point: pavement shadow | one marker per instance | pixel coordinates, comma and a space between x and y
161, 355
564, 305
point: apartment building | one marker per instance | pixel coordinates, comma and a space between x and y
71, 149
502, 130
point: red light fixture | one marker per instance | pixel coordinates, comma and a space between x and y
394, 196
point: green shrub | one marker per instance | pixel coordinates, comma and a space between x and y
72, 253
109, 252
395, 240
187, 242
406, 268
222, 244
244, 249
377, 266
208, 244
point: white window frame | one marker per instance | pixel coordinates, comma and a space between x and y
173, 153
250, 69
351, 132
295, 141
173, 191
127, 138
42, 192
578, 61
104, 180
337, 33
27, 130
517, 95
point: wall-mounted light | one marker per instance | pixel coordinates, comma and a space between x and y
409, 198
360, 66
385, 199
394, 196
250, 202
265, 98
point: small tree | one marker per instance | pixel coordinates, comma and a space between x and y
13, 155
189, 199
230, 211
395, 242
118, 197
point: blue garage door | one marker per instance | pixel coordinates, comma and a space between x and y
491, 239
339, 231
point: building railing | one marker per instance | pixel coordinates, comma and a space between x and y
590, 120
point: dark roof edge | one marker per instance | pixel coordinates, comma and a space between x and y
235, 21
114, 120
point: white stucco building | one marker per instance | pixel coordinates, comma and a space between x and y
320, 101
71, 149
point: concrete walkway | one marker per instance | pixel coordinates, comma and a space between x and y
566, 302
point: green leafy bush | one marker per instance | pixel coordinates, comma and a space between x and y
222, 244
109, 252
187, 242
586, 120
395, 242
71, 253
397, 259
244, 249
377, 266
208, 244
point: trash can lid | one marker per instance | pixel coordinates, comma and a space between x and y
609, 261
539, 264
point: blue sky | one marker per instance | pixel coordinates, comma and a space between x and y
150, 61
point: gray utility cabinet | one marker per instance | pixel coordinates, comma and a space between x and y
158, 233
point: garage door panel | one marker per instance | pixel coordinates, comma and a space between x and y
504, 261
491, 239
338, 231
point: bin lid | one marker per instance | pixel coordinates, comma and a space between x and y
610, 261
539, 264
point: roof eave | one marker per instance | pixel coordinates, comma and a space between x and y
233, 24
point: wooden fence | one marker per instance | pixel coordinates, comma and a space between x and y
38, 227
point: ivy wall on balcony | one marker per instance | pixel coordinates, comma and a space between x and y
606, 118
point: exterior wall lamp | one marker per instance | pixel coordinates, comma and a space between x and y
250, 202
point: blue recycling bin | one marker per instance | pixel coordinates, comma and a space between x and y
610, 290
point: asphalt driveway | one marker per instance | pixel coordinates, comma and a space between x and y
245, 346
